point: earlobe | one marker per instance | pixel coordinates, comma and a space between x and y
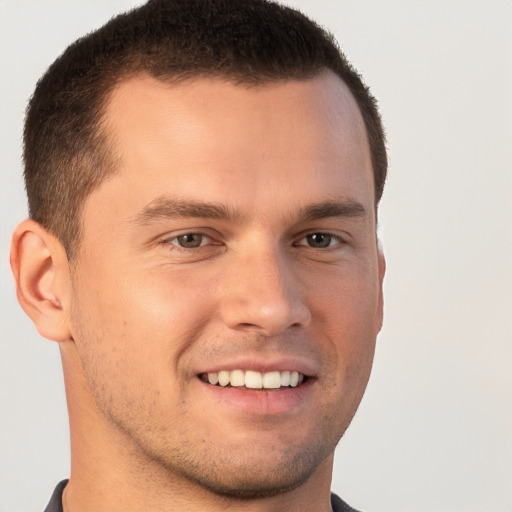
41, 272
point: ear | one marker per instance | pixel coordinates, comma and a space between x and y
41, 271
381, 263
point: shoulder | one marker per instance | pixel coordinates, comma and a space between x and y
338, 505
55, 504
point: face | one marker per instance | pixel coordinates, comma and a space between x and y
227, 291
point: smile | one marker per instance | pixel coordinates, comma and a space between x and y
254, 380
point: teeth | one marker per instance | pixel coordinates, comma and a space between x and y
237, 378
213, 378
272, 380
254, 380
223, 378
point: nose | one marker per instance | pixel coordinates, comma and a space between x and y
263, 293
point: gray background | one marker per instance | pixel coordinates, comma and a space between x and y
434, 432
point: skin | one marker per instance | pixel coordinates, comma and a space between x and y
139, 318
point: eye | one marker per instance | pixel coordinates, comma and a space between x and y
190, 240
320, 240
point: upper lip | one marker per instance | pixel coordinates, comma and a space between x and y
263, 365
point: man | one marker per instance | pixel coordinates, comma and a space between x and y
203, 181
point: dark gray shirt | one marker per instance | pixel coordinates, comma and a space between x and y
55, 505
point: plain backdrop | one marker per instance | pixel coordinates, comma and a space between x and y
434, 431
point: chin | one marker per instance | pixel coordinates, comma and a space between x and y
249, 480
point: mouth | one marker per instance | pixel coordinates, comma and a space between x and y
253, 380
260, 389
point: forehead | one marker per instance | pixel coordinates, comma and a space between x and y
211, 139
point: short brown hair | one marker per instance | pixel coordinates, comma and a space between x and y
66, 150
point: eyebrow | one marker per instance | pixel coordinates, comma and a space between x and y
328, 209
169, 208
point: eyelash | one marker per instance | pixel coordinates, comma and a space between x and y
331, 238
182, 248
339, 241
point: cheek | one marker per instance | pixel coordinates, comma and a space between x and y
346, 311
138, 325
129, 342
347, 303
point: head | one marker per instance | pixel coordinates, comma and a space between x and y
204, 177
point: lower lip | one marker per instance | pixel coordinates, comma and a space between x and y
261, 402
